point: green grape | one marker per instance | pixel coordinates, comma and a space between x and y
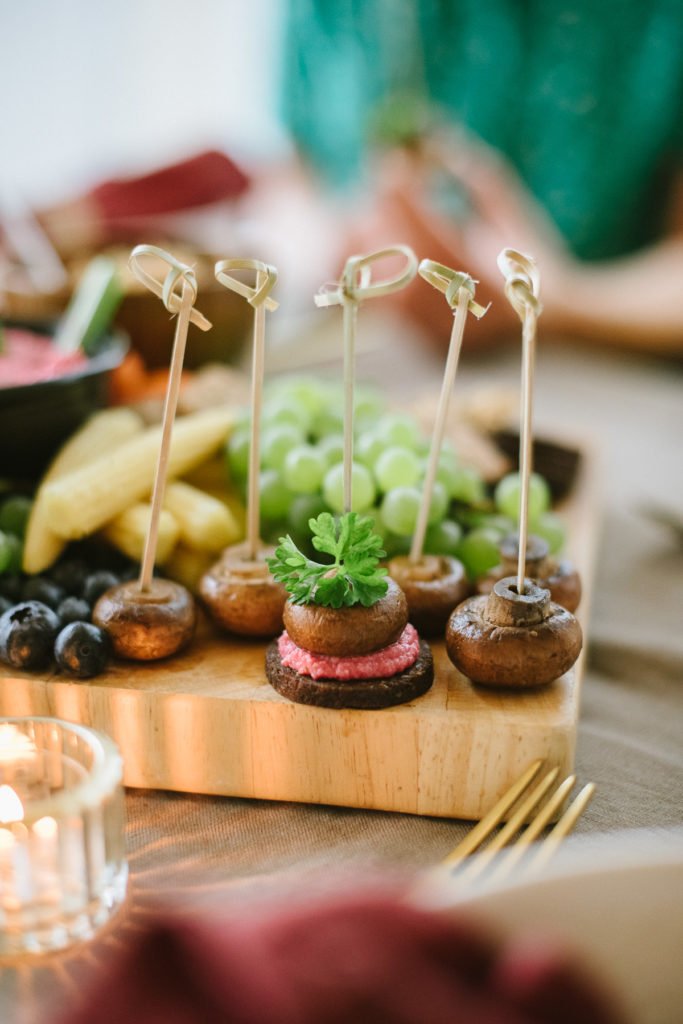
303, 508
399, 509
6, 552
282, 410
550, 527
330, 420
14, 513
276, 441
467, 486
274, 494
238, 454
397, 467
438, 506
368, 448
304, 469
443, 538
478, 551
503, 525
332, 449
506, 496
362, 488
399, 429
367, 408
305, 392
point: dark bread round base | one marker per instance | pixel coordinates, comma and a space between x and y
366, 693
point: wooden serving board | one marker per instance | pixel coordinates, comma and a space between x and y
207, 721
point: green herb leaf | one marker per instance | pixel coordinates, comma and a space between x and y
354, 577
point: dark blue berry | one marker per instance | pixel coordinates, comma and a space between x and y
70, 574
82, 650
96, 584
73, 609
38, 588
27, 635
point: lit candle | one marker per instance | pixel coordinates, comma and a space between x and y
60, 800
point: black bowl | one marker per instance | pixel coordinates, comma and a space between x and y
35, 419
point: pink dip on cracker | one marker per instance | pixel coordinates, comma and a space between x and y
397, 657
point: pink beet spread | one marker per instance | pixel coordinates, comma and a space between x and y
26, 357
379, 664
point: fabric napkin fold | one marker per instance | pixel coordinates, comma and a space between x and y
366, 960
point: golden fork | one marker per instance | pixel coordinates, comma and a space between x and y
520, 845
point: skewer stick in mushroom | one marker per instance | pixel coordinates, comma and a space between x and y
458, 289
356, 285
239, 590
522, 289
155, 618
435, 584
259, 298
516, 636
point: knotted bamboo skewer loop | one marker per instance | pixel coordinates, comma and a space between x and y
356, 282
178, 273
522, 282
266, 276
450, 282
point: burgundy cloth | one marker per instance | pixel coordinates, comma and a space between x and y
198, 181
366, 961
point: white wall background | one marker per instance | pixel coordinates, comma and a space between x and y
93, 88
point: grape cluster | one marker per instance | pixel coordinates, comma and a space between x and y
301, 476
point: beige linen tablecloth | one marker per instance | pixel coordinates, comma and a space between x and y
249, 851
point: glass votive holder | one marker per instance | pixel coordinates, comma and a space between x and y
63, 870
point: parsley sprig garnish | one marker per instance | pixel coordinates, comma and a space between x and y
354, 577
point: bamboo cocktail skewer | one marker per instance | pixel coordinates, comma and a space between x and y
356, 285
154, 618
458, 289
182, 305
258, 297
521, 290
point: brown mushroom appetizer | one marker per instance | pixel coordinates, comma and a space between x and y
347, 632
348, 642
559, 577
149, 624
241, 595
433, 585
513, 639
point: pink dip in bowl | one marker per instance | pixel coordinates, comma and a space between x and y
26, 357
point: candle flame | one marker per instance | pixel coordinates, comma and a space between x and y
45, 828
11, 807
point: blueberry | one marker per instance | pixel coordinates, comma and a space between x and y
27, 635
38, 588
96, 584
82, 650
70, 575
73, 609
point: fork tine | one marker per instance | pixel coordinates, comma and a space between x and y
476, 836
563, 827
513, 824
533, 830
